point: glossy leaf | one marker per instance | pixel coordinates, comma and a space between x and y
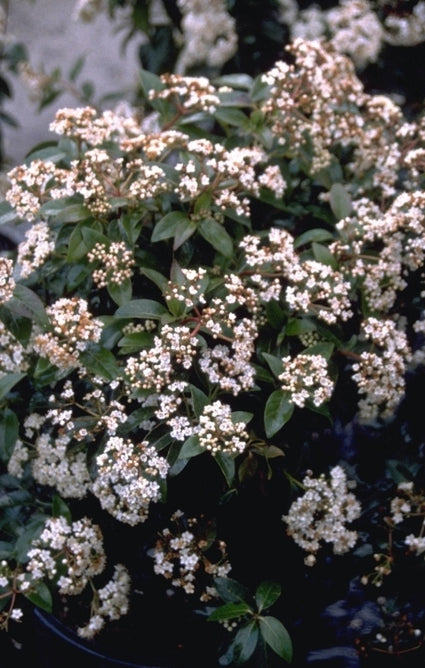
229, 611
277, 637
216, 235
41, 597
141, 308
340, 201
9, 431
278, 412
245, 642
231, 590
8, 382
266, 594
166, 227
191, 448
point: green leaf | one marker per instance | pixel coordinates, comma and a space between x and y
100, 362
61, 509
243, 81
191, 448
278, 411
166, 227
8, 382
24, 541
324, 348
184, 230
229, 611
141, 308
231, 590
266, 594
52, 153
27, 304
121, 292
323, 255
241, 416
82, 240
277, 637
231, 116
8, 215
199, 400
340, 201
9, 431
73, 213
77, 67
226, 464
41, 597
158, 279
216, 235
245, 642
316, 234
275, 363
275, 315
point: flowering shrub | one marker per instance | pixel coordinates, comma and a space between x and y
201, 299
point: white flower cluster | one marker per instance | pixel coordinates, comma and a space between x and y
321, 513
208, 34
76, 548
154, 368
7, 282
380, 376
219, 433
128, 479
111, 601
73, 328
35, 248
306, 379
193, 93
116, 263
184, 555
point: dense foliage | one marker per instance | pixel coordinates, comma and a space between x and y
212, 340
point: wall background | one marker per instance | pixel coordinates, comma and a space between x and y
53, 38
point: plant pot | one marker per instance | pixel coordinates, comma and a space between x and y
54, 641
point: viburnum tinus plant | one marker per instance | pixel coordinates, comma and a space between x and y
205, 288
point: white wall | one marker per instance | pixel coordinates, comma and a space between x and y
53, 39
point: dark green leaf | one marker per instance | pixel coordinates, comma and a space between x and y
8, 382
216, 235
324, 348
121, 292
100, 362
199, 400
245, 642
229, 611
166, 227
241, 416
184, 230
317, 234
73, 214
27, 304
277, 637
275, 363
278, 412
60, 508
191, 448
231, 590
7, 214
266, 594
9, 430
41, 597
340, 201
323, 255
226, 463
141, 308
230, 116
